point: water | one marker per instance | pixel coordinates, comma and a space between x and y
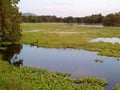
110, 40
79, 63
30, 30
89, 25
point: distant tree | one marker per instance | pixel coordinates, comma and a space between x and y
60, 19
10, 19
70, 19
93, 19
31, 19
79, 20
97, 18
112, 20
88, 19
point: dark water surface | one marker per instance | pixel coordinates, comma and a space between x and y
79, 63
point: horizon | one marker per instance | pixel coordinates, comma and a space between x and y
65, 8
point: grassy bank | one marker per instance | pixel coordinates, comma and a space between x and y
25, 78
60, 35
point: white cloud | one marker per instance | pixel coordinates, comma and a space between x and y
69, 7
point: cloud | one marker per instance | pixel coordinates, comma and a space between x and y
69, 7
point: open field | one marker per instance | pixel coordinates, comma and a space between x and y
61, 35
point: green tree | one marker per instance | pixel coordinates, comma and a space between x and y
69, 19
112, 20
10, 19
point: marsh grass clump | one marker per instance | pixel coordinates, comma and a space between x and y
117, 87
97, 60
93, 81
26, 78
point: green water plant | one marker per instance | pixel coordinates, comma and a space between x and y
26, 78
117, 87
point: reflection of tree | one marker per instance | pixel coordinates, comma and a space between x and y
118, 59
11, 51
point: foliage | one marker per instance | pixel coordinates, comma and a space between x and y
9, 52
96, 18
93, 19
70, 19
117, 87
9, 21
112, 20
109, 20
26, 78
92, 80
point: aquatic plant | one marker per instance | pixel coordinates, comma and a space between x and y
97, 60
26, 78
93, 81
117, 87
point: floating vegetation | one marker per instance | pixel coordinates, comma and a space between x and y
97, 60
117, 87
26, 78
92, 80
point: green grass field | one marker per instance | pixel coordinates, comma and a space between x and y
61, 35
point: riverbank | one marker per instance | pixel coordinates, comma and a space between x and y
26, 78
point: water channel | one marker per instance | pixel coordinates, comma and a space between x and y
79, 63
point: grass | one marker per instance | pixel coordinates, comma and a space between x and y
60, 35
117, 87
26, 78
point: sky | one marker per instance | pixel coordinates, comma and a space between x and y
64, 8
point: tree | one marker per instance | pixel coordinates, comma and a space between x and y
10, 19
112, 20
10, 51
70, 19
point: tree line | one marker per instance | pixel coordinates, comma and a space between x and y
112, 19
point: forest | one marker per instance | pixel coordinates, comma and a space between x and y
112, 19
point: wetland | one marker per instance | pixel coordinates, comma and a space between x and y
60, 47
78, 63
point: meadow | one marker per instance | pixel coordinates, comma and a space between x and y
61, 35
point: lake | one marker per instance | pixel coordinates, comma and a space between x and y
79, 63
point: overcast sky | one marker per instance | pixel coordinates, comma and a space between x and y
64, 8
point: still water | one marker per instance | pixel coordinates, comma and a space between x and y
79, 63
110, 40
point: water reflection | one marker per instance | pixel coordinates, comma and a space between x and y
10, 54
